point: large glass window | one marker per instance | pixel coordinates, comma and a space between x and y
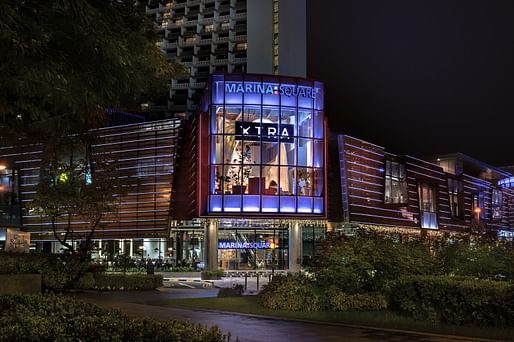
456, 198
427, 206
497, 202
251, 249
478, 207
9, 197
395, 191
266, 156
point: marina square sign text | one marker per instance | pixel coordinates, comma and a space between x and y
271, 89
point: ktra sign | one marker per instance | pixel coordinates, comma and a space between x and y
255, 131
271, 89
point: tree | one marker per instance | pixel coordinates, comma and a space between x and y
63, 62
76, 184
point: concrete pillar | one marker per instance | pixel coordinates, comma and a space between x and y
131, 253
211, 245
295, 246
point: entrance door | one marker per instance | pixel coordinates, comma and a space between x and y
252, 249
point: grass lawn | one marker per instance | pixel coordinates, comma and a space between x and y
381, 319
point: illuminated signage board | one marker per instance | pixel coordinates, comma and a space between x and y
271, 89
254, 131
243, 245
505, 234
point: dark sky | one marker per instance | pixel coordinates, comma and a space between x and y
419, 77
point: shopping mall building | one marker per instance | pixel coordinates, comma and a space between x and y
254, 180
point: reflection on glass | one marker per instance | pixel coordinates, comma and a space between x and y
304, 182
305, 152
305, 123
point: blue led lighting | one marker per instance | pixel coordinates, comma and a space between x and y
507, 183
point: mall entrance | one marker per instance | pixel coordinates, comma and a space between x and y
253, 248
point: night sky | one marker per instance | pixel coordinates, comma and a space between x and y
418, 77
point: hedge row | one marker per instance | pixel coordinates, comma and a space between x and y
454, 300
58, 318
57, 270
298, 293
102, 281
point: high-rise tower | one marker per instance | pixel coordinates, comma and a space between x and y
256, 36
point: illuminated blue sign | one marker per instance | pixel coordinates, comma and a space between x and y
506, 182
505, 234
271, 89
254, 131
243, 245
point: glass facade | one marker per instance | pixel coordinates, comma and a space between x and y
10, 214
267, 147
395, 183
255, 249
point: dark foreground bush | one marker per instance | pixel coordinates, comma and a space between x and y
337, 300
110, 281
57, 318
290, 292
58, 271
235, 291
455, 300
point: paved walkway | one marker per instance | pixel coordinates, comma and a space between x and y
248, 328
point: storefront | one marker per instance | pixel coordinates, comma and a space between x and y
262, 155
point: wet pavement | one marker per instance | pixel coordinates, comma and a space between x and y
248, 328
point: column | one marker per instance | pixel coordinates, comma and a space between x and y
295, 246
211, 245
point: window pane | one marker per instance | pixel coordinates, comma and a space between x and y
270, 153
304, 152
318, 182
288, 117
288, 153
305, 123
217, 149
287, 181
271, 181
232, 114
318, 125
304, 181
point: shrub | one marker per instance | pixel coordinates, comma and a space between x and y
58, 271
235, 291
454, 300
366, 262
290, 292
339, 301
127, 282
212, 275
86, 282
58, 318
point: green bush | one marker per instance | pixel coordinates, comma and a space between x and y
58, 271
58, 318
366, 262
339, 301
290, 292
126, 282
235, 291
454, 300
212, 275
86, 282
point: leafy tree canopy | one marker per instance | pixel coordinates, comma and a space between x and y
63, 62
